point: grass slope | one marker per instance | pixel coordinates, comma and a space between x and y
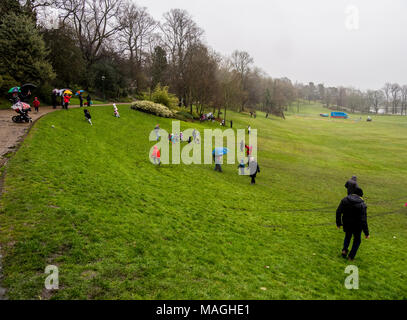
88, 200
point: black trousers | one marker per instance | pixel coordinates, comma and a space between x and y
357, 239
253, 179
218, 167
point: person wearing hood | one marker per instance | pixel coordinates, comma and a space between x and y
254, 169
352, 215
351, 185
54, 100
156, 155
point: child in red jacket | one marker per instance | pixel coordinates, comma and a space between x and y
36, 104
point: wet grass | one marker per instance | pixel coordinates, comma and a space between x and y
88, 200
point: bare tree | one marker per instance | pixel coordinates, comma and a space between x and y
386, 90
375, 98
136, 36
180, 33
230, 85
94, 22
404, 100
241, 61
200, 77
395, 100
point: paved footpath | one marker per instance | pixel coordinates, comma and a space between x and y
11, 133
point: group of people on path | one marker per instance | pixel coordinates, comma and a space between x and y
65, 100
352, 216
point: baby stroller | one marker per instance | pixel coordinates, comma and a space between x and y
22, 109
19, 99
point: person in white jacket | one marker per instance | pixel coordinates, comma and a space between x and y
116, 111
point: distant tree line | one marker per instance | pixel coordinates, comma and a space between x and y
391, 99
117, 49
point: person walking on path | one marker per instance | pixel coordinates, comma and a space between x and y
67, 98
89, 100
254, 169
351, 185
231, 123
249, 129
194, 134
156, 155
36, 104
352, 215
80, 100
54, 100
88, 116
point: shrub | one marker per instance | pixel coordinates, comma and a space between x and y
152, 108
184, 115
162, 96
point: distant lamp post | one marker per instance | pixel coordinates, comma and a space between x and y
103, 84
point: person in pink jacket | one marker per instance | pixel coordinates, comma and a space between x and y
156, 155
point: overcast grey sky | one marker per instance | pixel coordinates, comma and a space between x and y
307, 40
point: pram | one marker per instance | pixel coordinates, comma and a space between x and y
22, 109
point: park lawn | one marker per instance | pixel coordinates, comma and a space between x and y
75, 100
87, 200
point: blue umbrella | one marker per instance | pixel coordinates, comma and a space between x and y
79, 92
220, 151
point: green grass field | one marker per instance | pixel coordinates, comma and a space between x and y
88, 200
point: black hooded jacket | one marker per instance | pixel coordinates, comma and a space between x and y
352, 214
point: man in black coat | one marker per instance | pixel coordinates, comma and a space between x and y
351, 185
352, 215
254, 169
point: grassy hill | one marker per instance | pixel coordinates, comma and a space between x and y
88, 200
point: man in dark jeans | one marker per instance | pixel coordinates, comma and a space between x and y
352, 215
